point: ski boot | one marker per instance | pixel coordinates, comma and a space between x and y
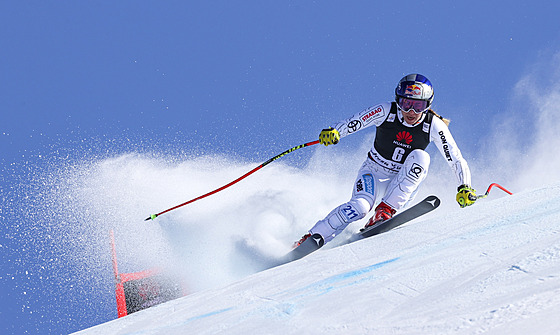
383, 212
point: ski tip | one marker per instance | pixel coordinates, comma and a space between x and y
433, 200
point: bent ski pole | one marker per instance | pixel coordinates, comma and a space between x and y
490, 187
153, 216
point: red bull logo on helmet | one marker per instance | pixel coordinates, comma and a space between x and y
413, 91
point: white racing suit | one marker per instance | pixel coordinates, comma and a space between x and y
396, 163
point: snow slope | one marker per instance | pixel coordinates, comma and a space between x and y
491, 268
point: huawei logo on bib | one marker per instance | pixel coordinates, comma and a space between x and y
404, 136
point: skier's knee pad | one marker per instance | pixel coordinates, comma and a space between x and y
362, 206
340, 217
416, 165
419, 157
353, 210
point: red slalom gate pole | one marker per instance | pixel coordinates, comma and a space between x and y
153, 216
490, 187
119, 288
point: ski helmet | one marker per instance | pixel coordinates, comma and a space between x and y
415, 86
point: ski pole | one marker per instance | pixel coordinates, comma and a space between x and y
490, 187
153, 216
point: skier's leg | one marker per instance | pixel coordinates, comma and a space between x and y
369, 184
340, 217
404, 186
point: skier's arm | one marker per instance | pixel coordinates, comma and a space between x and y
446, 145
371, 116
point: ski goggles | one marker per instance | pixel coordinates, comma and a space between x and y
418, 106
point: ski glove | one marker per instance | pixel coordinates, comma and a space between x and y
329, 136
466, 196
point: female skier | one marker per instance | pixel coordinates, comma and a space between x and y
397, 162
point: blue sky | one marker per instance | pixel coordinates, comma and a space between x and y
81, 81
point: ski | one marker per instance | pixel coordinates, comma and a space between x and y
313, 243
423, 207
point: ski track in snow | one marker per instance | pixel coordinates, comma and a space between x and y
492, 268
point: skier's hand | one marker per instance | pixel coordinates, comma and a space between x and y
466, 196
329, 136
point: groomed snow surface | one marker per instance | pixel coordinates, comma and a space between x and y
492, 268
